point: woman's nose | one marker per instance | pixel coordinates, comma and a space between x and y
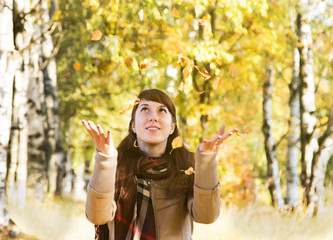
153, 117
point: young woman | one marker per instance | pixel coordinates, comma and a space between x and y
141, 190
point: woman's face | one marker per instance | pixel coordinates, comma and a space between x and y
153, 124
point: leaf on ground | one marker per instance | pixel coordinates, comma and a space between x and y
177, 142
96, 35
128, 61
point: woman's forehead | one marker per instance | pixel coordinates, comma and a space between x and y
144, 102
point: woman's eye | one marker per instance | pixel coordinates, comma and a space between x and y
144, 109
163, 110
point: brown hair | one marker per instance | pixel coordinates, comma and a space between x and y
181, 158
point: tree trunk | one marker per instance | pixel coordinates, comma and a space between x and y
309, 144
272, 163
7, 68
315, 191
293, 134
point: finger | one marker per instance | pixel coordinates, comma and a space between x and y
101, 134
226, 136
222, 130
108, 138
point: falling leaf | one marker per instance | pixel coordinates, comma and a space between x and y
202, 22
181, 59
141, 14
77, 66
175, 12
189, 171
128, 61
96, 35
217, 84
153, 63
68, 74
143, 65
177, 142
244, 131
203, 72
125, 108
233, 71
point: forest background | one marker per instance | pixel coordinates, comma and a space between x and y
263, 66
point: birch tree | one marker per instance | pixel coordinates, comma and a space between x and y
273, 177
7, 66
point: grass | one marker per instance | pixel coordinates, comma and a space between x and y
56, 219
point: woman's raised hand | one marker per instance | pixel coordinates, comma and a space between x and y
104, 143
215, 142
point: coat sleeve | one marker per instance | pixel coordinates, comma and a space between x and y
204, 207
100, 205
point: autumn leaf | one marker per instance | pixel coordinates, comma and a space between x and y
137, 101
125, 108
217, 84
203, 72
68, 74
189, 171
143, 66
96, 35
233, 71
153, 63
141, 14
177, 142
175, 12
202, 22
181, 59
77, 66
186, 72
181, 86
128, 61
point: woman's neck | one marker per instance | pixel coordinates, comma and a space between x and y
152, 150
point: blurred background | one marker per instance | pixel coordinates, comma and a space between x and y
262, 66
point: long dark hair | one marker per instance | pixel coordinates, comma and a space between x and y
180, 158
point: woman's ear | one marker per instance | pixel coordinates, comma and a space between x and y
173, 125
133, 127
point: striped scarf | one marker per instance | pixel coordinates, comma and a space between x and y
134, 217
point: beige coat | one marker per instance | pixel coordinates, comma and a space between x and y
174, 216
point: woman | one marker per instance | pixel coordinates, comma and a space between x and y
141, 190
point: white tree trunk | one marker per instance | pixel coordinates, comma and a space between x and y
272, 163
292, 198
309, 143
7, 67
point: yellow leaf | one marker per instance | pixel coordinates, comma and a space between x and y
186, 72
181, 59
203, 72
217, 84
128, 61
125, 108
181, 86
77, 66
96, 35
153, 63
175, 12
177, 142
141, 14
189, 171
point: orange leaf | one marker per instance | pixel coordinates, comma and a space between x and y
189, 171
141, 14
203, 72
77, 66
233, 71
153, 63
96, 35
202, 22
175, 12
128, 61
68, 74
143, 65
217, 84
181, 59
177, 142
125, 108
